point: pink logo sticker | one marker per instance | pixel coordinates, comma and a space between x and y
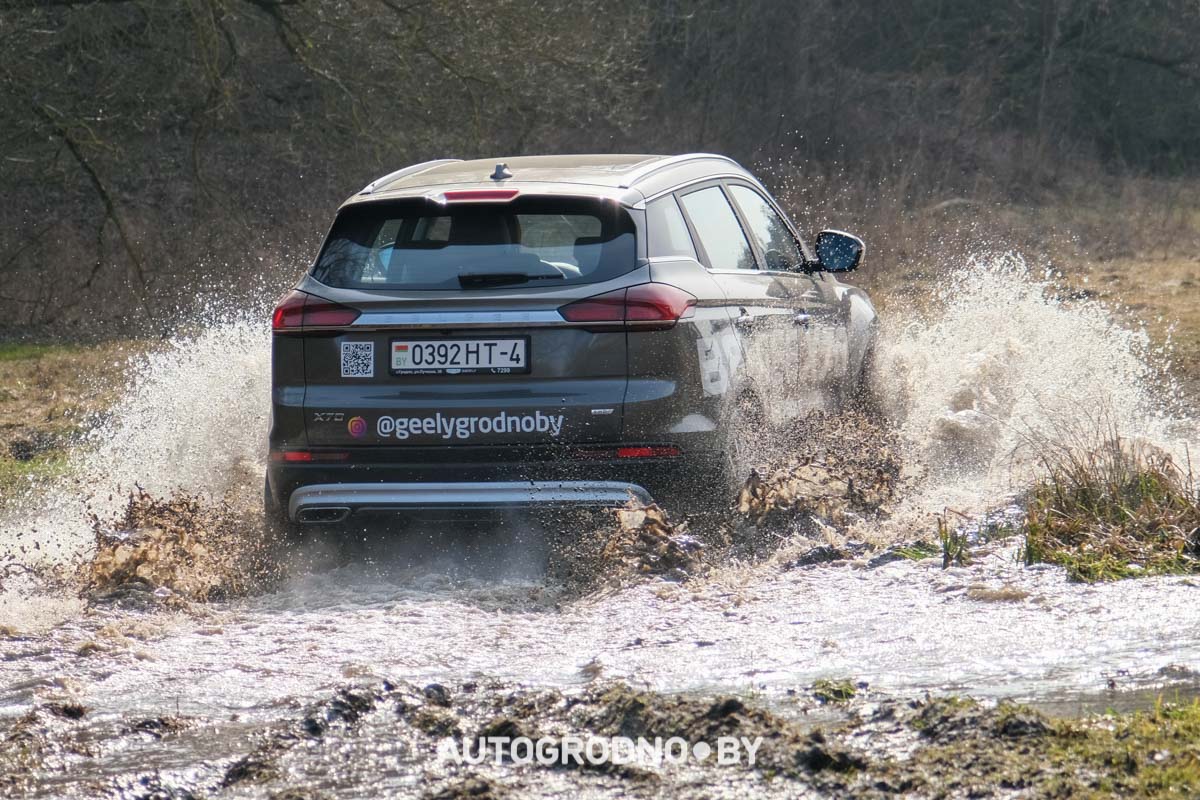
357, 427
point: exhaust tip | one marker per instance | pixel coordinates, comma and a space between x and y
322, 514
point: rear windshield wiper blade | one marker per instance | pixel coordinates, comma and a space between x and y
478, 279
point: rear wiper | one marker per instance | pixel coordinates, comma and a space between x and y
480, 279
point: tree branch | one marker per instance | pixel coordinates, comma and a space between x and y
110, 206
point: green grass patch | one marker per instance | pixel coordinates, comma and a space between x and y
31, 351
954, 543
834, 691
1117, 511
17, 475
967, 750
917, 551
1153, 753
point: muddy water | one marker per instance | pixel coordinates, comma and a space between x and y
999, 364
995, 628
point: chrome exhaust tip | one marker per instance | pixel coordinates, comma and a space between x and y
318, 514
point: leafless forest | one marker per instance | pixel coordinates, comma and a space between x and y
156, 153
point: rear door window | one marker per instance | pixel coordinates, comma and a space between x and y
770, 232
718, 229
424, 246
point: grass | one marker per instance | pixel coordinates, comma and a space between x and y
16, 475
1116, 511
1154, 753
969, 751
917, 551
834, 691
48, 392
954, 543
25, 351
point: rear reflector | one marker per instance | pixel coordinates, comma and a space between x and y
299, 310
647, 452
307, 456
647, 306
639, 451
475, 195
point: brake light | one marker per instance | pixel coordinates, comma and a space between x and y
290, 311
469, 195
658, 303
299, 310
601, 308
319, 313
647, 306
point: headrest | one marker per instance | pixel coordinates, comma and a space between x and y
588, 251
480, 227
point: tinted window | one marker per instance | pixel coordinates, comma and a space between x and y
769, 231
718, 229
666, 232
420, 245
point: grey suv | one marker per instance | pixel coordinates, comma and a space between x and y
551, 330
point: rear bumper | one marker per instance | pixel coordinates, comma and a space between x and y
334, 502
468, 484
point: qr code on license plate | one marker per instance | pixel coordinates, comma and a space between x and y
358, 359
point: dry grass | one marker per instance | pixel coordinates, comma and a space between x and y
50, 392
1115, 511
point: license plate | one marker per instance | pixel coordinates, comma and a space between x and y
460, 356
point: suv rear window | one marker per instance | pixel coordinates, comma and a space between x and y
422, 245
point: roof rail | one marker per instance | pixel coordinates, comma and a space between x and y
404, 173
640, 174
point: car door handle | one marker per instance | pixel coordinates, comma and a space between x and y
802, 319
744, 321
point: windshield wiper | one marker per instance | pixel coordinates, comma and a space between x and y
483, 279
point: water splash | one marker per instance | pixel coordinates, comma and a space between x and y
1002, 361
193, 418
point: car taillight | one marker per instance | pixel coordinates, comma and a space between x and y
290, 311
601, 308
658, 303
299, 310
647, 306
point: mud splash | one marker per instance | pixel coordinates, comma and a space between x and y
180, 549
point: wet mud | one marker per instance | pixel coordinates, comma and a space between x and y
393, 738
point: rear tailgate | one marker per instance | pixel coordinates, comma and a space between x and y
382, 379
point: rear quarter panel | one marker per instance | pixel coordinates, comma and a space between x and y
679, 379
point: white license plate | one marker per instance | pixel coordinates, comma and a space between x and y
460, 356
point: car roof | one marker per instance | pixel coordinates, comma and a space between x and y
605, 175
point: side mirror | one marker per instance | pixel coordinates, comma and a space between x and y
838, 251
